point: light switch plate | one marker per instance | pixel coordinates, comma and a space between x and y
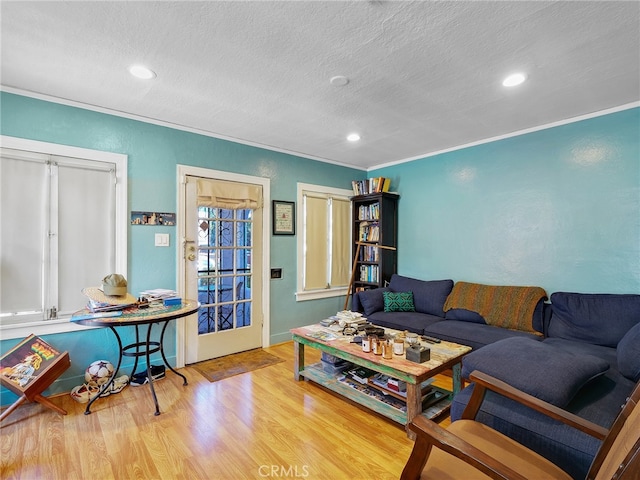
162, 239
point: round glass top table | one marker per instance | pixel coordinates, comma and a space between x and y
143, 346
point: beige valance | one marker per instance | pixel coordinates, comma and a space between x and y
230, 195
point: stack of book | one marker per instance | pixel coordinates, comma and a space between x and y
361, 374
158, 294
371, 185
362, 379
95, 306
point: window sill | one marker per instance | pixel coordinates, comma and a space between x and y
317, 294
48, 327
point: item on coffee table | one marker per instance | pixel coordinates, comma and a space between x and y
429, 339
387, 349
366, 344
398, 346
373, 330
418, 354
376, 345
412, 338
348, 331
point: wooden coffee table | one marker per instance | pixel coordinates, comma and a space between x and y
444, 356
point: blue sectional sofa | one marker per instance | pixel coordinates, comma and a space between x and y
581, 352
588, 363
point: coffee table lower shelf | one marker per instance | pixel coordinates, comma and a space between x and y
331, 382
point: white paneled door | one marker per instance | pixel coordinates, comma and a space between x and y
222, 249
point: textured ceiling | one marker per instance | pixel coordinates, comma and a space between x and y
424, 76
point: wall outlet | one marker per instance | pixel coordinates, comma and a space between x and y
276, 273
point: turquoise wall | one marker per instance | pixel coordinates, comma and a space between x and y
558, 208
153, 152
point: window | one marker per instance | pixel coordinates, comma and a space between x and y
324, 241
62, 228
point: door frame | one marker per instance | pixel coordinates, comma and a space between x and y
183, 171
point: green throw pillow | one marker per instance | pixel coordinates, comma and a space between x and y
398, 302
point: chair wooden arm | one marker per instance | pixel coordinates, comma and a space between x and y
429, 434
484, 382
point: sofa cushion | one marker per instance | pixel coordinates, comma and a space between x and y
600, 319
600, 403
473, 334
398, 302
411, 321
372, 300
536, 368
464, 315
629, 354
428, 295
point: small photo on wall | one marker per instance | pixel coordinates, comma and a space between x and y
153, 218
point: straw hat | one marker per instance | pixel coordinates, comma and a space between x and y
113, 291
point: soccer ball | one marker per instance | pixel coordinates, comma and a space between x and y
99, 372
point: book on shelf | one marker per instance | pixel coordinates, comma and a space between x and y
369, 212
369, 253
369, 232
432, 397
361, 374
370, 185
374, 393
369, 273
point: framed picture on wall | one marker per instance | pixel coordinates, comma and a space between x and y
284, 218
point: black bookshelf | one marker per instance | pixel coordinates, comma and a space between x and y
375, 223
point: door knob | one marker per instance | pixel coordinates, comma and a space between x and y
190, 250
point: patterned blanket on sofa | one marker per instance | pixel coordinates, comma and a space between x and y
502, 306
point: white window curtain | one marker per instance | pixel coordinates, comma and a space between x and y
340, 244
57, 233
327, 247
316, 248
23, 200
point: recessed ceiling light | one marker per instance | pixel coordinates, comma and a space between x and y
339, 81
353, 137
140, 71
514, 79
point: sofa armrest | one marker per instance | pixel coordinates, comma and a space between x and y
356, 306
430, 434
484, 382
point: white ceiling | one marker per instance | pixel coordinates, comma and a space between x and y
424, 76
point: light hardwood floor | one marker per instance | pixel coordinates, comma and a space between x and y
256, 425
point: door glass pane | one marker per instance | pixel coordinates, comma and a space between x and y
224, 269
243, 260
243, 314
